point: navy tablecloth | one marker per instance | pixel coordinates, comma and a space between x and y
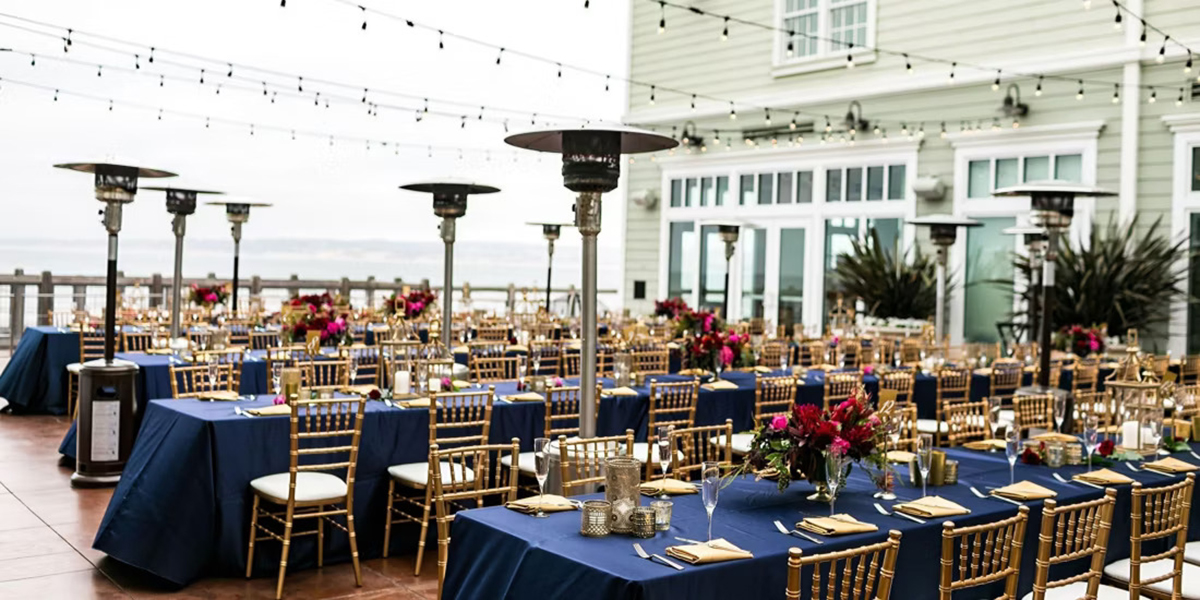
35, 379
498, 553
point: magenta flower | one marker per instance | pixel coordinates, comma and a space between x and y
211, 297
446, 383
839, 446
279, 400
835, 340
558, 382
869, 369
779, 423
726, 356
708, 320
1093, 345
733, 338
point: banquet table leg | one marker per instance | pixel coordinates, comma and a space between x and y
253, 534
387, 528
424, 528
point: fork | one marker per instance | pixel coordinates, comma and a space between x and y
796, 532
1194, 455
1087, 483
1131, 467
237, 410
652, 557
993, 496
883, 511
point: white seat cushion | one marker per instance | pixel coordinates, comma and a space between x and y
1119, 570
1078, 590
311, 486
931, 426
740, 442
1006, 416
417, 474
526, 462
75, 368
641, 451
1191, 553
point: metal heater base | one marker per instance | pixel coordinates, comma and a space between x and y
113, 384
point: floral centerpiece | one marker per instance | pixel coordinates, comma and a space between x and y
1080, 340
690, 322
714, 351
412, 304
795, 445
209, 297
316, 312
669, 308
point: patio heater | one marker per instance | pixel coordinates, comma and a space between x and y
550, 231
591, 157
1053, 206
107, 387
943, 230
729, 235
181, 202
238, 212
1034, 239
449, 203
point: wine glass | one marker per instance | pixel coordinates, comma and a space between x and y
783, 356
709, 488
1060, 411
835, 465
663, 450
993, 415
1012, 449
1155, 425
1091, 427
924, 458
352, 367
213, 374
541, 460
276, 376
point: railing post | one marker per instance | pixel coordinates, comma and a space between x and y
16, 324
80, 294
255, 286
156, 290
345, 289
511, 302
371, 291
294, 290
45, 301
425, 284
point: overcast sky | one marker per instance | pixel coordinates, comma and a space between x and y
339, 192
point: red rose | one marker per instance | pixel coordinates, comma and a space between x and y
1106, 448
373, 394
1031, 457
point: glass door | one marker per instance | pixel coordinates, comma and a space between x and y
753, 242
791, 276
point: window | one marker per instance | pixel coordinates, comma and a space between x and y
1193, 310
676, 193
706, 191
986, 175
765, 184
817, 28
878, 179
783, 190
722, 190
1196, 169
712, 265
987, 302
754, 271
804, 180
703, 191
833, 185
854, 187
691, 193
747, 190
840, 234
682, 260
791, 276
874, 183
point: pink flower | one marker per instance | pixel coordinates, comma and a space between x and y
873, 421
779, 423
1093, 345
726, 356
733, 338
835, 340
446, 383
558, 382
869, 369
279, 400
211, 297
708, 320
839, 446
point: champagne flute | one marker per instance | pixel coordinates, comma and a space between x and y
663, 449
993, 415
1060, 411
276, 376
1156, 433
541, 459
1091, 427
710, 487
1012, 443
213, 373
353, 368
835, 463
924, 458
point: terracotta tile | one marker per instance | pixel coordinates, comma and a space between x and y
80, 584
80, 537
46, 564
336, 581
31, 541
59, 506
16, 516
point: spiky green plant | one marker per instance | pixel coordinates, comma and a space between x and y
888, 285
1118, 278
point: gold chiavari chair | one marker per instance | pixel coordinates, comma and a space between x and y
263, 340
773, 396
199, 339
772, 353
966, 422
1189, 370
671, 404
492, 332
1161, 365
199, 381
953, 386
455, 419
1187, 403
900, 381
849, 354
581, 461
368, 368
234, 357
561, 418
487, 348
492, 369
1070, 533
1005, 378
398, 355
136, 341
473, 476
812, 353
239, 332
911, 351
91, 346
325, 375
908, 428
327, 433
60, 318
573, 365
871, 578
651, 362
695, 445
545, 357
1033, 412
1094, 403
1159, 513
839, 386
987, 553
1085, 375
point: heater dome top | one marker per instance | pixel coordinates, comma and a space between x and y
237, 202
633, 140
946, 220
176, 188
123, 164
553, 224
1024, 230
450, 185
1054, 187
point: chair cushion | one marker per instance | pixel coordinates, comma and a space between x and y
1191, 553
931, 426
1078, 590
1119, 570
417, 474
311, 486
75, 368
641, 451
1006, 416
526, 462
740, 443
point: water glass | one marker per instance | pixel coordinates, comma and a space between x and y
1012, 450
662, 514
709, 489
993, 415
1091, 430
213, 374
925, 458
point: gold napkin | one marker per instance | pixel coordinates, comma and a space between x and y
694, 372
618, 391
992, 444
549, 502
461, 350
835, 525
574, 345
219, 395
526, 397
361, 390
932, 507
408, 396
900, 456
717, 550
984, 371
517, 348
1170, 464
827, 368
158, 351
271, 411
415, 403
1055, 437
1024, 490
672, 346
720, 384
670, 486
1103, 477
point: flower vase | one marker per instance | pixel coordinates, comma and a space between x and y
815, 473
821, 494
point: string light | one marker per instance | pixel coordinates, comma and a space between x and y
1153, 96
100, 72
1179, 100
364, 11
876, 130
161, 79
1116, 93
1079, 94
908, 65
943, 132
441, 42
1016, 124
921, 131
732, 112
499, 55
725, 32
151, 59
1038, 91
996, 82
850, 56
230, 73
767, 118
651, 95
364, 98
662, 19
952, 67
1162, 51
1187, 67
693, 103
790, 47
299, 84
792, 125
1117, 19
1142, 38
828, 125
606, 78
137, 62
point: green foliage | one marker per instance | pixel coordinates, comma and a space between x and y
889, 286
1118, 278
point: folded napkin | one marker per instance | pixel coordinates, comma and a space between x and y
1055, 437
900, 456
408, 396
672, 346
618, 391
835, 525
517, 348
717, 550
159, 351
271, 411
932, 507
694, 373
1024, 490
575, 345
526, 397
415, 403
1109, 365
461, 350
720, 384
827, 368
549, 503
220, 395
1170, 464
1103, 477
669, 486
361, 390
992, 444
984, 371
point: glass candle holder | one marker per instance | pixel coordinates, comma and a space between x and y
662, 514
951, 473
623, 475
643, 521
595, 518
1056, 456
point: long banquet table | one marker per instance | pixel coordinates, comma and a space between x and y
498, 553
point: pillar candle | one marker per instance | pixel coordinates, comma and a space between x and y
401, 382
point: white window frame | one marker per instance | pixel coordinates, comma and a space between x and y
1044, 140
774, 217
826, 56
1186, 131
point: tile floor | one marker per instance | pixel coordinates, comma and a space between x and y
46, 531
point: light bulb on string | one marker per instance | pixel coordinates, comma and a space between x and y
1116, 93
942, 134
876, 130
908, 65
441, 40
995, 124
1142, 38
828, 125
1079, 94
1187, 66
299, 84
1038, 91
996, 82
791, 49
137, 62
662, 19
67, 43
732, 112
559, 70
1117, 19
767, 116
1016, 124
100, 72
1153, 96
652, 95
725, 31
792, 125
364, 12
151, 59
921, 132
1179, 100
230, 73
693, 103
850, 57
33, 60
952, 67
606, 79
56, 95
1162, 51
499, 55
161, 80
903, 129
